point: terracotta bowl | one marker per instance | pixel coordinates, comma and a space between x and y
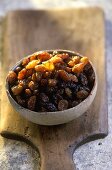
58, 117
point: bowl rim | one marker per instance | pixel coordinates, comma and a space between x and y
45, 113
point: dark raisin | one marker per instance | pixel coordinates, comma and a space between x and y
18, 69
83, 79
51, 90
71, 85
20, 101
36, 77
36, 92
52, 82
60, 91
54, 99
29, 79
44, 98
51, 107
43, 109
62, 105
32, 102
92, 78
75, 103
68, 92
88, 70
63, 84
28, 92
43, 82
59, 96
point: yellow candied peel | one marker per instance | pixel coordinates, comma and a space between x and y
32, 64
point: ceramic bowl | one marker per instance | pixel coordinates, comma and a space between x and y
58, 117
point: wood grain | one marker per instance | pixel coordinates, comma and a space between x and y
81, 30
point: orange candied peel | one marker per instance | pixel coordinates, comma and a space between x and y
22, 74
77, 68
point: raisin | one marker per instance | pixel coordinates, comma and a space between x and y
72, 86
33, 57
68, 92
23, 83
62, 105
40, 68
52, 82
67, 77
16, 90
75, 103
43, 82
59, 96
68, 69
36, 92
20, 101
63, 84
29, 72
82, 94
51, 107
22, 74
51, 90
36, 77
25, 61
12, 77
18, 69
29, 79
63, 56
43, 109
43, 56
32, 85
55, 99
32, 103
60, 91
87, 68
28, 92
83, 79
92, 78
56, 59
44, 98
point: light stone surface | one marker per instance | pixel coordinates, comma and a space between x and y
96, 155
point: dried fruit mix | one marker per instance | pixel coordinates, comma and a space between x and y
51, 81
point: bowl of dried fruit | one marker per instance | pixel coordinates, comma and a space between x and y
52, 87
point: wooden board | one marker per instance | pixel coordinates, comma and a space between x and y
81, 30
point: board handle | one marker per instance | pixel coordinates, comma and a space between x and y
57, 159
